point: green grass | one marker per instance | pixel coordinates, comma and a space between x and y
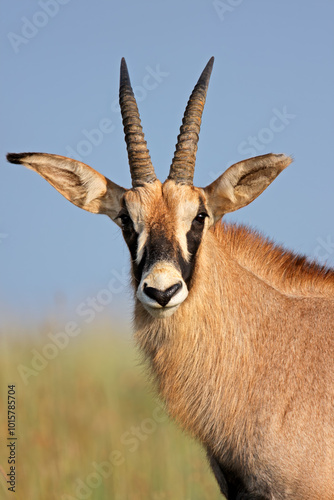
89, 426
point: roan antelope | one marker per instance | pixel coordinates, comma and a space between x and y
239, 332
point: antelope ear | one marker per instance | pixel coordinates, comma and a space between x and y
78, 182
243, 182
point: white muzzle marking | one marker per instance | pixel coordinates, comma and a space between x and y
161, 277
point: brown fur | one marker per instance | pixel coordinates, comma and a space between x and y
289, 272
239, 332
246, 364
243, 349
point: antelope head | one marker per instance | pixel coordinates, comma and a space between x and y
163, 224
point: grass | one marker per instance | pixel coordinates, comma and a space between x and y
90, 427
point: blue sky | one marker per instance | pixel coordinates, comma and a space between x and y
271, 91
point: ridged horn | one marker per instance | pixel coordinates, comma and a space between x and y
141, 167
183, 164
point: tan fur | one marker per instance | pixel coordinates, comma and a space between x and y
166, 207
246, 364
291, 273
245, 358
243, 350
239, 332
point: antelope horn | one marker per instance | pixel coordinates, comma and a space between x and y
141, 167
183, 164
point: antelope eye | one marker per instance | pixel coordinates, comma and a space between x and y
125, 219
200, 218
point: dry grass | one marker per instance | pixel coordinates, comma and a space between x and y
89, 427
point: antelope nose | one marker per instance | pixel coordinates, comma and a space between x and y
162, 296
